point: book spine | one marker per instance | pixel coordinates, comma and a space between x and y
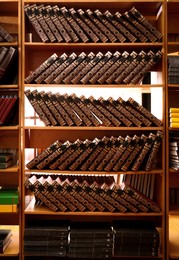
6, 36
10, 55
90, 34
13, 100
32, 18
3, 52
142, 155
37, 107
41, 68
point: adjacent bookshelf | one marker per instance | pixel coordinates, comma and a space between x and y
10, 126
172, 183
70, 111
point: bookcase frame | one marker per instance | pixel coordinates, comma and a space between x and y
10, 136
39, 137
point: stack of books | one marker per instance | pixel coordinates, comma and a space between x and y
5, 36
87, 193
6, 160
8, 109
173, 69
106, 154
62, 24
95, 68
9, 199
91, 240
47, 238
8, 65
174, 117
56, 109
174, 153
136, 238
5, 239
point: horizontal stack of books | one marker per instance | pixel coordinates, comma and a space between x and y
136, 238
173, 69
95, 68
87, 193
55, 109
5, 239
47, 238
8, 109
5, 36
6, 160
8, 65
174, 153
174, 117
9, 199
91, 240
106, 154
61, 24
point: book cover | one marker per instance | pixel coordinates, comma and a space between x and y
9, 196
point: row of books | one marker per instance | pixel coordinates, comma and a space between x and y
173, 69
8, 65
8, 109
106, 154
62, 24
95, 68
9, 199
174, 152
174, 196
62, 109
6, 160
5, 239
80, 195
173, 37
92, 239
5, 36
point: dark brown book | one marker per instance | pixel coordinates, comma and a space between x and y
7, 109
85, 110
146, 23
65, 23
52, 108
70, 78
74, 64
145, 112
122, 147
78, 30
52, 72
143, 153
120, 27
35, 23
84, 26
109, 35
6, 35
113, 149
62, 66
94, 70
104, 68
44, 107
60, 28
154, 151
138, 78
113, 68
36, 106
125, 64
92, 25
6, 63
62, 112
134, 153
140, 27
3, 52
126, 154
41, 68
47, 151
42, 22
146, 201
120, 37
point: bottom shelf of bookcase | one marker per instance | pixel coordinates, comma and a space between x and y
13, 248
174, 236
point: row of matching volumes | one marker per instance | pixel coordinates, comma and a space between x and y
56, 109
8, 109
91, 68
92, 239
61, 24
112, 154
5, 239
94, 193
8, 65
